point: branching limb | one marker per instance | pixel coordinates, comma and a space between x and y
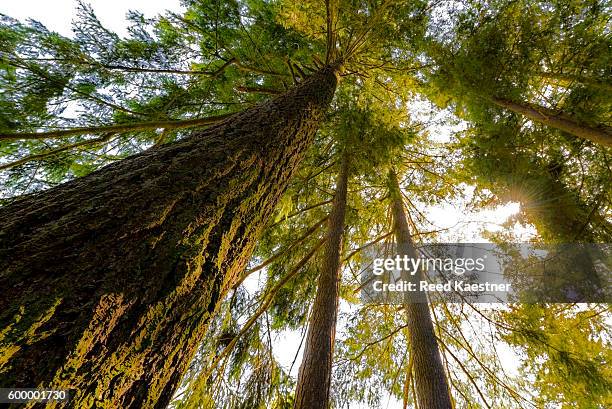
259, 90
466, 371
280, 253
300, 211
120, 128
53, 152
264, 304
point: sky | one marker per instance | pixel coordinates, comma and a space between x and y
57, 15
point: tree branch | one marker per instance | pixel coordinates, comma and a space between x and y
54, 152
280, 253
128, 127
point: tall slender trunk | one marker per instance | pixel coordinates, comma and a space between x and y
430, 379
314, 378
109, 281
601, 134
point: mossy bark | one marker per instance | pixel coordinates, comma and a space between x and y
432, 390
108, 281
314, 377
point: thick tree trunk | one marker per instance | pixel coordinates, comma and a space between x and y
601, 134
108, 281
430, 379
314, 378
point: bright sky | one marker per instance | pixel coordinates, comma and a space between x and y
57, 15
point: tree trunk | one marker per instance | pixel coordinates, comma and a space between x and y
430, 379
109, 281
601, 134
314, 378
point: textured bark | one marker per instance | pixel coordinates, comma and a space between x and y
430, 379
314, 378
601, 134
109, 281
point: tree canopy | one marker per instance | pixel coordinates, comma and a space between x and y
473, 104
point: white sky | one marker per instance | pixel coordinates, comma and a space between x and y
57, 15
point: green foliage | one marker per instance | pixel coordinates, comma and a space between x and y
220, 57
563, 187
568, 349
549, 54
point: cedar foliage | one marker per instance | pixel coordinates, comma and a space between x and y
79, 114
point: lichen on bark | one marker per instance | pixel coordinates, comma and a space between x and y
140, 253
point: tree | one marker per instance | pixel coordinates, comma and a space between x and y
432, 389
566, 352
73, 105
563, 187
503, 55
208, 247
125, 278
197, 234
314, 379
602, 134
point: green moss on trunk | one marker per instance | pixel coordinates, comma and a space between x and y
110, 280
